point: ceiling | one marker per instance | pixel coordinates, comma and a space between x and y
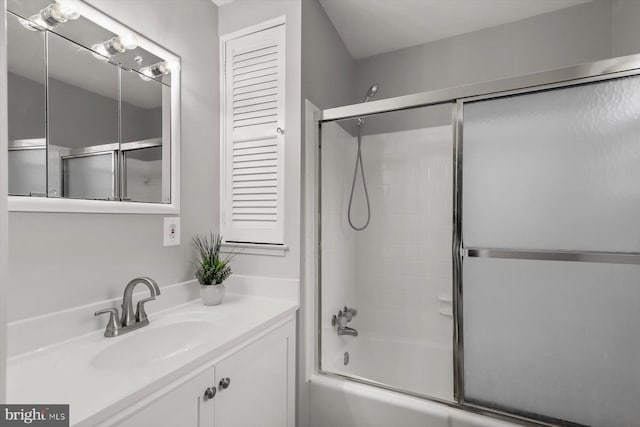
372, 27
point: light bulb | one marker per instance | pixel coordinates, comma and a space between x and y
154, 70
100, 52
68, 9
128, 40
146, 74
58, 13
173, 66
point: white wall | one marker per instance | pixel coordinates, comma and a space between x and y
84, 258
339, 242
239, 15
3, 201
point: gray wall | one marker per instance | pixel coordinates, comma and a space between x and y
239, 15
626, 29
78, 117
328, 77
328, 71
83, 258
3, 202
566, 37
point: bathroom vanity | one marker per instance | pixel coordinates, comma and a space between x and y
229, 365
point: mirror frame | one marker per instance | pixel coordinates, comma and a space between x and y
55, 204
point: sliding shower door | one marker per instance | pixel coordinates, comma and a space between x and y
551, 274
386, 236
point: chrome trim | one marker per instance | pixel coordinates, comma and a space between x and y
93, 149
570, 256
114, 175
527, 419
123, 190
25, 144
318, 285
118, 166
47, 116
458, 336
143, 143
624, 65
73, 155
33, 147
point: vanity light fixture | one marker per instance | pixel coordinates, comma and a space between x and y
116, 45
51, 16
158, 69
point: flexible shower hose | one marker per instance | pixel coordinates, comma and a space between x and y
364, 185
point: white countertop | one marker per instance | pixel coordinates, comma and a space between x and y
98, 381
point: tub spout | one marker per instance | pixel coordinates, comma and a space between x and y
345, 330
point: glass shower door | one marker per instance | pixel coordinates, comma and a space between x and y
386, 290
551, 280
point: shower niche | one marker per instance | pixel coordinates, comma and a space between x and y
93, 112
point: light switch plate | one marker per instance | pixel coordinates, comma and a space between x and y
171, 231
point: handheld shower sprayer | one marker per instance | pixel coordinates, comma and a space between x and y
373, 91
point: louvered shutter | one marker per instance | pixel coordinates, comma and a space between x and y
253, 187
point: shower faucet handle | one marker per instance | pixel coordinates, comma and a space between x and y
349, 313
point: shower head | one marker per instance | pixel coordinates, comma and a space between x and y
373, 90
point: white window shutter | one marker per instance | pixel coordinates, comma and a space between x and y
253, 137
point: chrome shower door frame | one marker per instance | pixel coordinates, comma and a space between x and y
458, 96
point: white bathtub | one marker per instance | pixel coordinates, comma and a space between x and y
335, 402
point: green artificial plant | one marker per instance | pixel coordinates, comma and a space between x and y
211, 268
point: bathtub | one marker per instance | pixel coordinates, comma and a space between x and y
336, 401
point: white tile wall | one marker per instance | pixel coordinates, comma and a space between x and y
395, 270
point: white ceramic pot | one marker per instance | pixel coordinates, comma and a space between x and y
212, 294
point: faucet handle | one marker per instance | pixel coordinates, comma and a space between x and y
141, 314
112, 325
350, 310
349, 313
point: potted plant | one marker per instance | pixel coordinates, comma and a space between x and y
212, 270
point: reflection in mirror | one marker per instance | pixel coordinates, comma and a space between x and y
27, 116
83, 118
145, 140
89, 175
90, 111
143, 174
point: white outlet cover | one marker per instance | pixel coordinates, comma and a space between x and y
171, 231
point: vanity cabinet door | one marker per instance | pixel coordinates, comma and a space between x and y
181, 404
256, 384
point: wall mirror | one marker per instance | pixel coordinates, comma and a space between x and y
93, 113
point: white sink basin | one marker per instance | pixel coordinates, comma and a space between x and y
152, 345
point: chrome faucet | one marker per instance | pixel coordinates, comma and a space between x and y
342, 318
130, 321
